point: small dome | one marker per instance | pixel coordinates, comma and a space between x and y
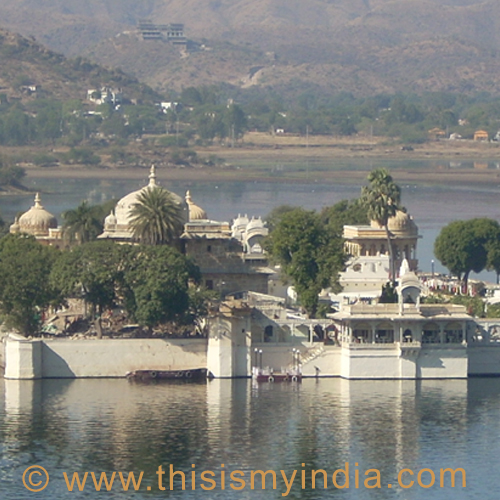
14, 228
255, 223
110, 220
195, 212
402, 223
37, 220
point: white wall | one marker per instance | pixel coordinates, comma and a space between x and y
442, 363
484, 359
64, 358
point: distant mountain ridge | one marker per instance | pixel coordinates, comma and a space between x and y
364, 46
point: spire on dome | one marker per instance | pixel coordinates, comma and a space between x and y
38, 200
152, 176
195, 212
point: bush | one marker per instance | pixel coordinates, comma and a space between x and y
44, 160
85, 156
172, 141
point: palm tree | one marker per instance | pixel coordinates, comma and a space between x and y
82, 224
156, 218
382, 198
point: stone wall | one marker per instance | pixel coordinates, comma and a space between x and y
33, 359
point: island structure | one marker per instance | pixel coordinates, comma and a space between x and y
252, 331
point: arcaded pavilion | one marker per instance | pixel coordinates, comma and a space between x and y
371, 241
40, 223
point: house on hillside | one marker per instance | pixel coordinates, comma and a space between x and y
481, 135
436, 133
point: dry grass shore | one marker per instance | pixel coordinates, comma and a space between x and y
283, 158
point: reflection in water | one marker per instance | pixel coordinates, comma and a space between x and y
106, 425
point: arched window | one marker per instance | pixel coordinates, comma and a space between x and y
407, 335
361, 333
453, 333
430, 334
268, 333
384, 334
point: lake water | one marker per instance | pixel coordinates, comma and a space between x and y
112, 425
431, 206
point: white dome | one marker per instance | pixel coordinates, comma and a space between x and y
195, 212
123, 207
255, 223
36, 220
110, 220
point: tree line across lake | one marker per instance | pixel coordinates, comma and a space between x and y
200, 115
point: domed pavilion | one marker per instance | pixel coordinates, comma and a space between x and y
38, 222
117, 225
371, 241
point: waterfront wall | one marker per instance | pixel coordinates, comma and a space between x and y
232, 355
65, 358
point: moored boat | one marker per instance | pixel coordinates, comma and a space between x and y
193, 375
269, 375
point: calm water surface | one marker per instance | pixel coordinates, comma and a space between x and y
108, 425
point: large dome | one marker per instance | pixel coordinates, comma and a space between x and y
123, 207
36, 221
403, 224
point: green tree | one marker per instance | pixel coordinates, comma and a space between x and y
463, 246
157, 285
343, 213
82, 224
235, 121
156, 217
25, 290
308, 253
276, 214
10, 175
382, 199
92, 272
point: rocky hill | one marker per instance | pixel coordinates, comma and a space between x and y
30, 70
362, 46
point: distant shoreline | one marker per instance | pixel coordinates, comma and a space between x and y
296, 159
214, 174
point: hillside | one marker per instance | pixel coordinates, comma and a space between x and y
24, 63
363, 46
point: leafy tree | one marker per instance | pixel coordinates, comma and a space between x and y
25, 290
235, 121
10, 175
493, 257
309, 254
382, 199
157, 284
91, 271
463, 246
82, 224
156, 218
343, 213
276, 214
85, 156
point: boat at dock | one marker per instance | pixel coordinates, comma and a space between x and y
269, 375
194, 375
